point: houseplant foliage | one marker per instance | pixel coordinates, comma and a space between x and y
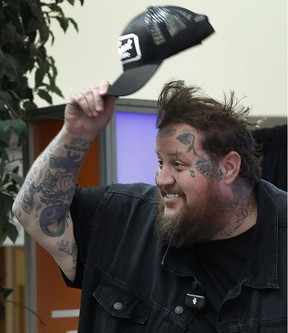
26, 71
4, 293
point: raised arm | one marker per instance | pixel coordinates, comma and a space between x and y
42, 204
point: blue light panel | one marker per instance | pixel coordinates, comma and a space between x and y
135, 147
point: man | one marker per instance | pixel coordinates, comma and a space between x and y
203, 251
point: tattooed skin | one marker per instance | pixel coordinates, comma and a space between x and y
78, 145
27, 203
72, 161
55, 187
192, 173
64, 246
202, 164
188, 139
220, 175
50, 219
166, 133
242, 209
204, 167
56, 190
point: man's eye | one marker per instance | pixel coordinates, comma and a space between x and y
160, 163
179, 166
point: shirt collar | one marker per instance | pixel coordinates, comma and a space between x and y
263, 262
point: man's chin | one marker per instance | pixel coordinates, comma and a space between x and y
177, 230
170, 213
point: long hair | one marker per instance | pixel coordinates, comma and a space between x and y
223, 125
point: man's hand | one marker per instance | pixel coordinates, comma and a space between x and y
89, 111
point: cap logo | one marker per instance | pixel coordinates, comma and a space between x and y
129, 48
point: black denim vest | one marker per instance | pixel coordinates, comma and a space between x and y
131, 282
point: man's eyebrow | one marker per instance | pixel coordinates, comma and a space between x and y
174, 154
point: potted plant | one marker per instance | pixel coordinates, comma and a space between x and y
25, 30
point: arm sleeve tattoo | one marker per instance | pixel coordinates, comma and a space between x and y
49, 187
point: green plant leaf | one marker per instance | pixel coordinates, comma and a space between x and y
45, 95
3, 236
5, 97
57, 91
2, 57
3, 233
6, 202
36, 10
8, 34
63, 21
14, 4
57, 9
33, 50
4, 128
44, 33
10, 66
12, 232
40, 73
32, 25
29, 105
5, 292
73, 22
19, 126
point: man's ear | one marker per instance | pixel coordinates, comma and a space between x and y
230, 165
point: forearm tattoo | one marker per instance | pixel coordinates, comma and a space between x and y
56, 178
52, 222
64, 246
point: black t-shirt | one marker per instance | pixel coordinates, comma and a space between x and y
218, 266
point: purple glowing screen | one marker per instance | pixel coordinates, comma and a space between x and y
135, 147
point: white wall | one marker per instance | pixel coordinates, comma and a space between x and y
247, 54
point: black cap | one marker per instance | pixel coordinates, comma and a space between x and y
151, 37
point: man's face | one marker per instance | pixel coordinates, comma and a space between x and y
188, 182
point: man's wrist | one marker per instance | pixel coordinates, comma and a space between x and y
81, 139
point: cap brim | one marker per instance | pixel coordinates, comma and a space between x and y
133, 79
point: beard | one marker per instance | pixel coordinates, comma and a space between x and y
197, 222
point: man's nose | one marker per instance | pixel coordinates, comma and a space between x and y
164, 176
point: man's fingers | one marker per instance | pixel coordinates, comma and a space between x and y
84, 100
103, 88
92, 100
97, 99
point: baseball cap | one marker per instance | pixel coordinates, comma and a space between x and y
150, 38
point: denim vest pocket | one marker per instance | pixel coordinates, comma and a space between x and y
119, 302
120, 309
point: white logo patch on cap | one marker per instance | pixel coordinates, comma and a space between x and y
129, 48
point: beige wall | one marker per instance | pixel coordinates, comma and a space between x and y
247, 54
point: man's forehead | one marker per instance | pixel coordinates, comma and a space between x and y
175, 130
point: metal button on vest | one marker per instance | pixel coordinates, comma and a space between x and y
179, 310
118, 306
